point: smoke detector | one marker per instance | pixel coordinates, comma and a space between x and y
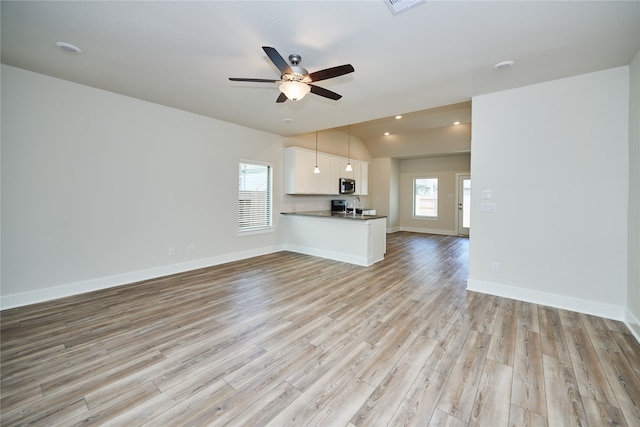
397, 6
504, 65
68, 48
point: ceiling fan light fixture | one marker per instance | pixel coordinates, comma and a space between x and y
294, 90
295, 81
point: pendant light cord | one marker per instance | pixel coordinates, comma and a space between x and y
316, 169
349, 145
349, 168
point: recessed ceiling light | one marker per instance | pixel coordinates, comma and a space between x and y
504, 65
386, 134
68, 48
456, 123
398, 117
287, 120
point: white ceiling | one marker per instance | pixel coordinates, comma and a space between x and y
180, 53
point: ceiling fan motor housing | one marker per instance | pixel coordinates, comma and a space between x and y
299, 75
295, 59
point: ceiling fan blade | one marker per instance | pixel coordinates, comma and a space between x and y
329, 73
239, 79
282, 97
325, 92
277, 60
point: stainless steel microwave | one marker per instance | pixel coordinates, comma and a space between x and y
347, 186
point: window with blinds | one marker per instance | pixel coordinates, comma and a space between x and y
254, 197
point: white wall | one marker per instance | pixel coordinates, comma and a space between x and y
633, 291
430, 142
394, 195
383, 194
331, 141
555, 156
96, 187
445, 169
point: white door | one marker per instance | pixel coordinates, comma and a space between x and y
463, 194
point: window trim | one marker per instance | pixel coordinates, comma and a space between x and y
247, 231
413, 200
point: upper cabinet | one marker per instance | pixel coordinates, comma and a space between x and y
300, 179
363, 189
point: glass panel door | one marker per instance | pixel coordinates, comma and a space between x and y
464, 204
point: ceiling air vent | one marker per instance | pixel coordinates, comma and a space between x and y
397, 6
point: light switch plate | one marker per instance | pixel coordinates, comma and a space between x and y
488, 207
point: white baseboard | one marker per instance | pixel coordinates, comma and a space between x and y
41, 295
430, 231
393, 230
323, 253
594, 308
632, 323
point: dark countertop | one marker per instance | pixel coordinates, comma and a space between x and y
336, 215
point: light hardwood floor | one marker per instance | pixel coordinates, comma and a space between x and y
288, 339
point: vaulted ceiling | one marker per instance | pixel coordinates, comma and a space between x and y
439, 53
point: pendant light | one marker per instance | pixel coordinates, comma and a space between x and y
316, 169
349, 168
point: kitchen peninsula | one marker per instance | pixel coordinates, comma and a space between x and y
356, 239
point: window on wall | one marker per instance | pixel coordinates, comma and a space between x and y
425, 197
254, 197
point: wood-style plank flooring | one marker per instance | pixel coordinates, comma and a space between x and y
292, 340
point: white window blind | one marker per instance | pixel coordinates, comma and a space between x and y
254, 197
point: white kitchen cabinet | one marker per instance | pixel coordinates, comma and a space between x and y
297, 179
319, 182
300, 179
332, 176
363, 186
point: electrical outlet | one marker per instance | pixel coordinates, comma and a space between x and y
172, 251
495, 267
191, 248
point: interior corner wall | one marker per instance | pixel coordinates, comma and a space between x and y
379, 186
632, 316
555, 158
97, 187
394, 195
384, 175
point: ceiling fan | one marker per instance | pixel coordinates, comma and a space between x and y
295, 81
